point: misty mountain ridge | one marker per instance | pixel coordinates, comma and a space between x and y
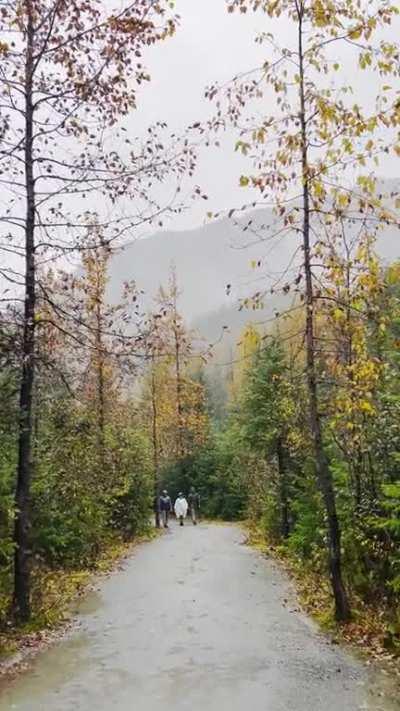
220, 263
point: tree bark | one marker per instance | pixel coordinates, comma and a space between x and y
155, 441
22, 604
324, 474
100, 369
178, 376
179, 396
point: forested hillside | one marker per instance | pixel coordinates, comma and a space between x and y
255, 358
221, 253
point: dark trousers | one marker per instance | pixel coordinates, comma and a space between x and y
164, 518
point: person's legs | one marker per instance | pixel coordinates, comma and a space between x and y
181, 520
164, 515
193, 515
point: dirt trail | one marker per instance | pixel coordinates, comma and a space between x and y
197, 621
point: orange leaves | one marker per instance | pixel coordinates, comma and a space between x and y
129, 25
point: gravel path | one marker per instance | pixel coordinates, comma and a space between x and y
196, 620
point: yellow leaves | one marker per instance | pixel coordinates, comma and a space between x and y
326, 110
259, 135
279, 86
347, 146
395, 116
323, 13
371, 26
338, 314
343, 200
352, 403
385, 215
366, 407
393, 274
318, 190
367, 183
351, 366
243, 147
368, 281
355, 33
273, 8
244, 181
365, 60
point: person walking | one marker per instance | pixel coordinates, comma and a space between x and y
157, 511
165, 507
194, 505
181, 508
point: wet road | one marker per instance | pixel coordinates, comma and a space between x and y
197, 621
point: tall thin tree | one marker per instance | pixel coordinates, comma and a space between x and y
70, 74
302, 150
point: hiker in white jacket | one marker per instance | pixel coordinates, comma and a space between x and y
181, 508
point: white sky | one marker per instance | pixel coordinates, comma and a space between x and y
212, 45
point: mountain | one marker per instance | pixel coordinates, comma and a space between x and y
243, 252
206, 259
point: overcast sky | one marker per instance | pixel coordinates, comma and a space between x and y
212, 45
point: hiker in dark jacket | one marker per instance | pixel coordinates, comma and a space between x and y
194, 505
165, 507
156, 509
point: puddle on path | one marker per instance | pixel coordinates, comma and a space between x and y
50, 669
89, 604
48, 672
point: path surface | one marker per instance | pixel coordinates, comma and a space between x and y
196, 620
